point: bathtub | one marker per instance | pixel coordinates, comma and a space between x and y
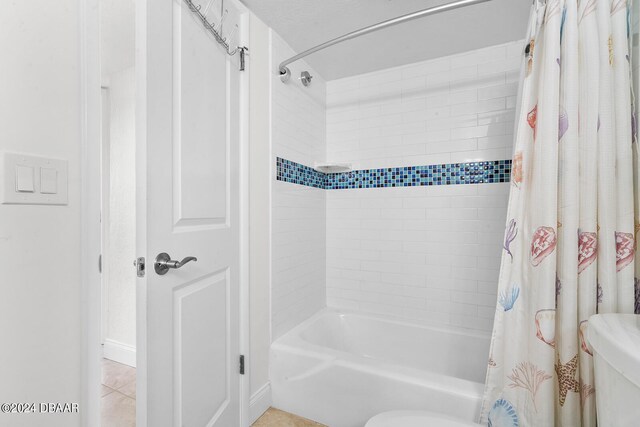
341, 368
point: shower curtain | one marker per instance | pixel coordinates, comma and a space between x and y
573, 217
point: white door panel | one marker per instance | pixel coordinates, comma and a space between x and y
192, 209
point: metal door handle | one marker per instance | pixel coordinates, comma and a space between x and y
164, 263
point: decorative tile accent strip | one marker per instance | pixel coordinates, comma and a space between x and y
296, 173
409, 176
413, 176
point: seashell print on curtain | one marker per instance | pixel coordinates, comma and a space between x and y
570, 248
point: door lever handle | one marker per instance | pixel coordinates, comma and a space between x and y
164, 263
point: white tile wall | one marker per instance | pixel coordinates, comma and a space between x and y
452, 109
298, 213
423, 253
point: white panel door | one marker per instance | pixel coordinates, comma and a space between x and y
189, 145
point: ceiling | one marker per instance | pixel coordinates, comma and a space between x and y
306, 23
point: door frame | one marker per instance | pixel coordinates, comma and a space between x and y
90, 201
91, 116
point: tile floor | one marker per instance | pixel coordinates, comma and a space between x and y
118, 407
277, 418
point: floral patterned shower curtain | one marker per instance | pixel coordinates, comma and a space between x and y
570, 243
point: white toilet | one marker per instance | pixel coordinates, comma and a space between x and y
415, 419
615, 339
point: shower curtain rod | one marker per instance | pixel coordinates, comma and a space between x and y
285, 72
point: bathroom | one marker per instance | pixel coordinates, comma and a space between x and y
373, 213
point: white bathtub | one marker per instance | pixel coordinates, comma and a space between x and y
341, 368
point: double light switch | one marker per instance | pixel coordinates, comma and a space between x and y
33, 180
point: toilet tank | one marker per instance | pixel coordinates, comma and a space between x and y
615, 341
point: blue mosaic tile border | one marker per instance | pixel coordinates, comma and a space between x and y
297, 173
409, 176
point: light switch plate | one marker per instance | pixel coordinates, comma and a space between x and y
31, 180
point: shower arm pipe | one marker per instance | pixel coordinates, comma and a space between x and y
379, 26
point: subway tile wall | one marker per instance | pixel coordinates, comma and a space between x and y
422, 253
298, 285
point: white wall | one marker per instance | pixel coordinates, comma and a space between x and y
298, 223
424, 253
117, 58
120, 331
287, 221
41, 326
259, 216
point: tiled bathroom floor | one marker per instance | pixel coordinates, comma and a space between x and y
118, 403
277, 418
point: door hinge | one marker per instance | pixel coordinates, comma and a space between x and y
100, 263
140, 266
242, 364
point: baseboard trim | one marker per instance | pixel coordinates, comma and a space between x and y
259, 402
119, 352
